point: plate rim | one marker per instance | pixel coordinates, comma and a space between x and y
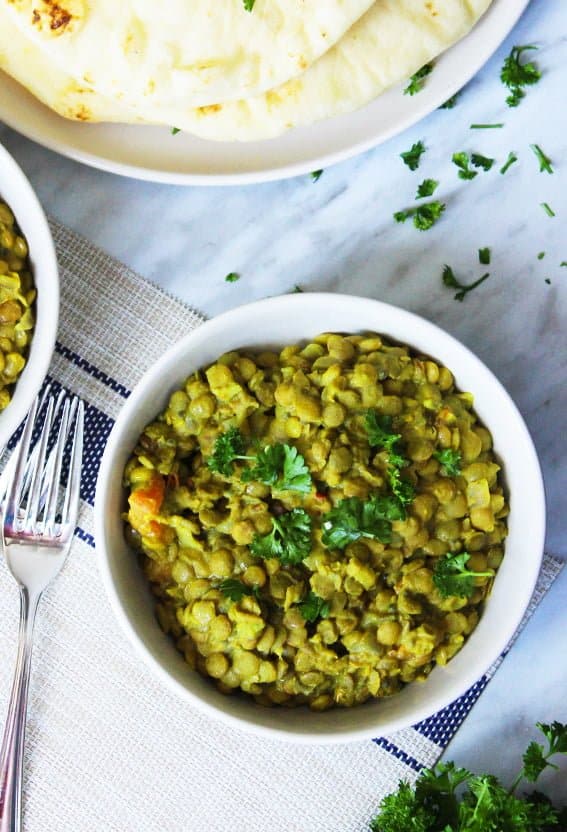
377, 134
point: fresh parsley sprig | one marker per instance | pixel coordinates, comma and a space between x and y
424, 216
450, 461
426, 188
451, 576
464, 162
229, 447
313, 607
380, 434
290, 538
417, 80
235, 590
412, 157
451, 281
280, 466
516, 75
451, 102
537, 758
379, 431
354, 518
450, 799
480, 161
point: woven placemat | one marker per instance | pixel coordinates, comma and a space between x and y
108, 747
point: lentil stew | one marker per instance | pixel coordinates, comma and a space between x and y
319, 525
17, 298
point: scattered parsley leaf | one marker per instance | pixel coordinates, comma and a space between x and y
232, 277
451, 577
379, 431
509, 162
548, 210
280, 466
487, 126
516, 75
563, 263
541, 255
462, 161
235, 590
175, 131
417, 80
426, 188
484, 256
290, 538
480, 161
380, 434
450, 103
248, 4
412, 157
316, 175
451, 281
450, 461
402, 489
547, 280
354, 518
424, 216
297, 290
229, 447
313, 607
544, 161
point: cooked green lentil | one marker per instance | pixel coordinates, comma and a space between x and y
342, 625
17, 296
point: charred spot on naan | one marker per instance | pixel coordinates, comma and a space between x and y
54, 18
290, 89
209, 109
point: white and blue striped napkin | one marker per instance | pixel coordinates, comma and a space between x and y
108, 748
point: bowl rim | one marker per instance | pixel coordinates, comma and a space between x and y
15, 187
148, 381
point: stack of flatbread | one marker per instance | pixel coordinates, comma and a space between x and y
217, 70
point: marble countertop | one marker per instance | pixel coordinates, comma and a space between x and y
338, 235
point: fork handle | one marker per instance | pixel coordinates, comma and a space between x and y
12, 753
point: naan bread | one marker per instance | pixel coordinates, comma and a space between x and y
148, 54
393, 40
20, 58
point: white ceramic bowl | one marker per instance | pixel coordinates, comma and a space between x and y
287, 320
17, 192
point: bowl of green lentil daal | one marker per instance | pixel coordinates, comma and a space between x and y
29, 296
320, 517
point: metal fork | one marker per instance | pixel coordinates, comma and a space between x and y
36, 539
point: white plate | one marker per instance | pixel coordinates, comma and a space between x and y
153, 153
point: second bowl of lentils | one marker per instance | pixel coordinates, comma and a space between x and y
29, 295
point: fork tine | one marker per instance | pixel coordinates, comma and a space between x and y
15, 486
35, 450
36, 476
73, 490
54, 473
